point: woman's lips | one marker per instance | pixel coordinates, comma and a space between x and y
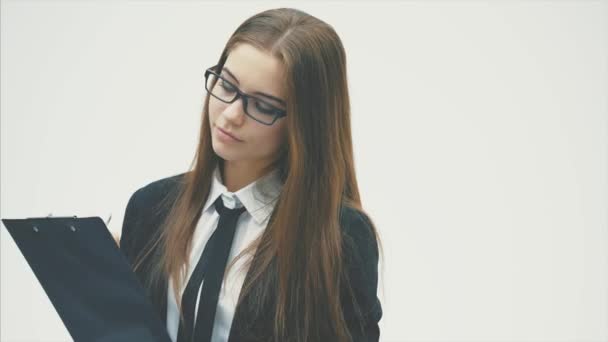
227, 136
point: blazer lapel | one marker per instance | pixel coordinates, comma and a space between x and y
250, 322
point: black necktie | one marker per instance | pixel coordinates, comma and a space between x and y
211, 267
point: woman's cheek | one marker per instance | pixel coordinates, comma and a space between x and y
214, 109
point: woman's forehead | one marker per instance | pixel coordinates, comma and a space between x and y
254, 70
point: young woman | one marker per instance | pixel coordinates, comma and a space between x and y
275, 170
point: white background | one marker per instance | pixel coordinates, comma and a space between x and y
480, 132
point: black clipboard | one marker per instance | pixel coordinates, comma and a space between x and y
88, 279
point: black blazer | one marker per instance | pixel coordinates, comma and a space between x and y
142, 219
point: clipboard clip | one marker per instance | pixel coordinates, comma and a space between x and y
50, 215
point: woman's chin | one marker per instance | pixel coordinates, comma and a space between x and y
222, 151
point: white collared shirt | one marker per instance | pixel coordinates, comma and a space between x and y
259, 199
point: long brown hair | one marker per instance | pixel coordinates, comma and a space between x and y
318, 175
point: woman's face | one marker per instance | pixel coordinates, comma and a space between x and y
254, 72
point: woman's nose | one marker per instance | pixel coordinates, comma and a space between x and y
235, 111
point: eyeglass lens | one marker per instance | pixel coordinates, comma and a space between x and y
226, 92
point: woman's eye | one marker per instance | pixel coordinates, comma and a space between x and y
226, 86
263, 108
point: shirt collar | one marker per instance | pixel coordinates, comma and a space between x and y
258, 197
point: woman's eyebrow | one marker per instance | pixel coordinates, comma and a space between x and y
257, 92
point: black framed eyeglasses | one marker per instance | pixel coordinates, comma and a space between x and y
225, 91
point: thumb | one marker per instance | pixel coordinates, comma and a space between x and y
116, 238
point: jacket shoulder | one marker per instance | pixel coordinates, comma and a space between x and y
358, 232
155, 193
144, 212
